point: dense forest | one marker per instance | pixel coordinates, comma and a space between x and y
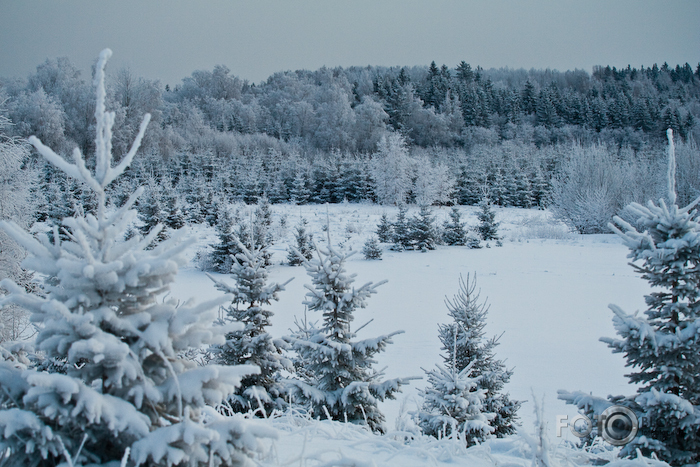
583, 144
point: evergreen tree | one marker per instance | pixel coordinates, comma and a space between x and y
422, 232
384, 229
303, 249
253, 345
401, 234
340, 381
662, 347
371, 248
126, 395
470, 364
151, 213
227, 248
453, 231
174, 218
488, 227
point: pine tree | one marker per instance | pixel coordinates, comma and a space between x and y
126, 394
384, 229
340, 382
469, 364
371, 248
303, 249
253, 345
423, 236
453, 231
488, 227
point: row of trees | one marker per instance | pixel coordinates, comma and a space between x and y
350, 109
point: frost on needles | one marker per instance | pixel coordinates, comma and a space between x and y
127, 396
663, 347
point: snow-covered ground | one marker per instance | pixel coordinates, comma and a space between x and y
548, 292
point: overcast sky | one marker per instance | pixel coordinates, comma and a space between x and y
169, 39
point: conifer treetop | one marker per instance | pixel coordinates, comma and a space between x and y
104, 172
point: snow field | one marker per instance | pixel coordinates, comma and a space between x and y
548, 298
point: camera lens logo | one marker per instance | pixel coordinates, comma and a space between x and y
617, 425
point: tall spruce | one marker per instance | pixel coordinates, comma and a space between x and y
662, 347
470, 364
253, 345
337, 378
127, 395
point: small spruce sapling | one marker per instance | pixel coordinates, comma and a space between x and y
337, 375
302, 250
453, 231
401, 234
488, 227
253, 345
423, 236
384, 229
372, 249
466, 348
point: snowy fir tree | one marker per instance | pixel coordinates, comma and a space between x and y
488, 227
152, 213
401, 234
253, 345
453, 231
127, 397
384, 229
662, 347
303, 249
174, 219
423, 236
340, 382
226, 249
372, 249
466, 348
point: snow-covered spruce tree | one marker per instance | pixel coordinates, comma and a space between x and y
453, 231
663, 347
466, 348
371, 248
488, 227
151, 212
303, 245
225, 250
126, 396
384, 229
253, 345
401, 234
338, 380
422, 231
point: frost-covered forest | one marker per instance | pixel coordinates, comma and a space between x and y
583, 144
104, 362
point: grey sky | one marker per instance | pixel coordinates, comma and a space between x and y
170, 39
